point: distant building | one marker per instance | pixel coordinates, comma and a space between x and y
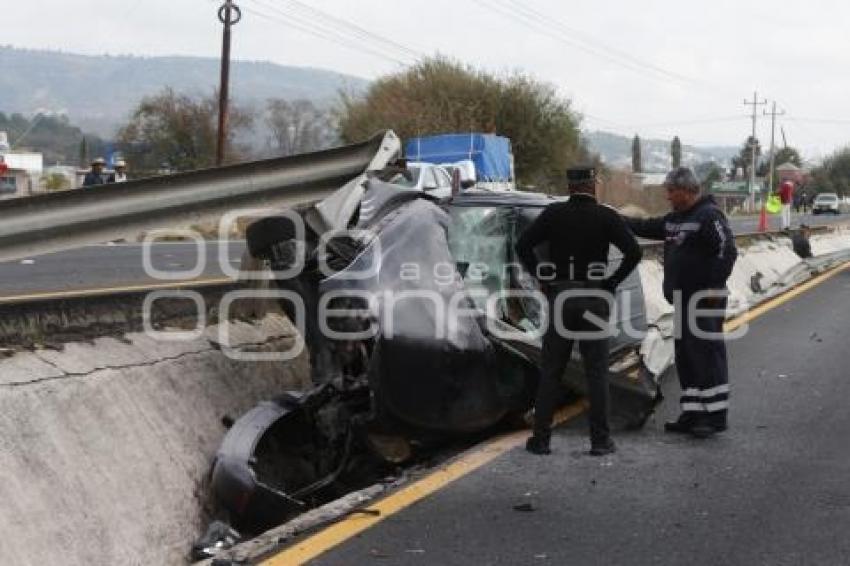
734, 195
790, 172
23, 171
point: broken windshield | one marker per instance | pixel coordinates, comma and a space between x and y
481, 240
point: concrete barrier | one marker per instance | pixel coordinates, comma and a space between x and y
767, 266
105, 445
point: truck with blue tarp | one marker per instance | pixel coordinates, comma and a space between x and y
491, 156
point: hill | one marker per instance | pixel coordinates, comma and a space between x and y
98, 93
616, 150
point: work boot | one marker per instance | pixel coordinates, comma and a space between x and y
718, 421
537, 444
603, 448
703, 427
682, 425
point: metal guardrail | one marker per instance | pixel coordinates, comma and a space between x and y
54, 222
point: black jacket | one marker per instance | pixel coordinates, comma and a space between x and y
580, 232
699, 249
93, 179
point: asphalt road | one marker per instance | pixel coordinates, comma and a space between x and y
773, 490
103, 266
118, 265
749, 224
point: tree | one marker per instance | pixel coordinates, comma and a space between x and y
179, 130
297, 126
441, 96
84, 153
708, 172
637, 161
676, 153
56, 182
49, 134
784, 155
833, 175
744, 158
788, 155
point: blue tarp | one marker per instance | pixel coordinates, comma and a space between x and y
491, 154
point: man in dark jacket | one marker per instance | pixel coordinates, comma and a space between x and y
95, 176
699, 253
579, 233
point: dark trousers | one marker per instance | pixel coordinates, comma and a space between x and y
701, 363
557, 351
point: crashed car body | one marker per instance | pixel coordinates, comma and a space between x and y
419, 321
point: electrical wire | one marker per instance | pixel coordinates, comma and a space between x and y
546, 26
324, 31
557, 25
827, 121
294, 21
353, 28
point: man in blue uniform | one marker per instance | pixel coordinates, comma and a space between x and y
699, 253
579, 233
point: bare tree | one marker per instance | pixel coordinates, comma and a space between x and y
179, 131
297, 126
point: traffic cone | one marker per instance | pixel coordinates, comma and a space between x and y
763, 219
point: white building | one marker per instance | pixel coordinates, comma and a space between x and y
23, 171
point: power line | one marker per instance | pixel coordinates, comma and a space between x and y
543, 25
317, 27
557, 24
350, 27
293, 21
828, 121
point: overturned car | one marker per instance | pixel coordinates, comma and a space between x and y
421, 327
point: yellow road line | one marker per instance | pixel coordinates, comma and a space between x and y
55, 295
352, 525
763, 308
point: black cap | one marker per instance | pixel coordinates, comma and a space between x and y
580, 175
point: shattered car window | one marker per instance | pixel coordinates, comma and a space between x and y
481, 239
478, 240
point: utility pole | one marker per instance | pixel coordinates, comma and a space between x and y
773, 114
229, 15
755, 104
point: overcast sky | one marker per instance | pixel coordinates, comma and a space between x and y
655, 67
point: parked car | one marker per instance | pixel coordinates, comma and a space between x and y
825, 202
428, 177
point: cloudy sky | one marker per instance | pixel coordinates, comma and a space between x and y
657, 67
